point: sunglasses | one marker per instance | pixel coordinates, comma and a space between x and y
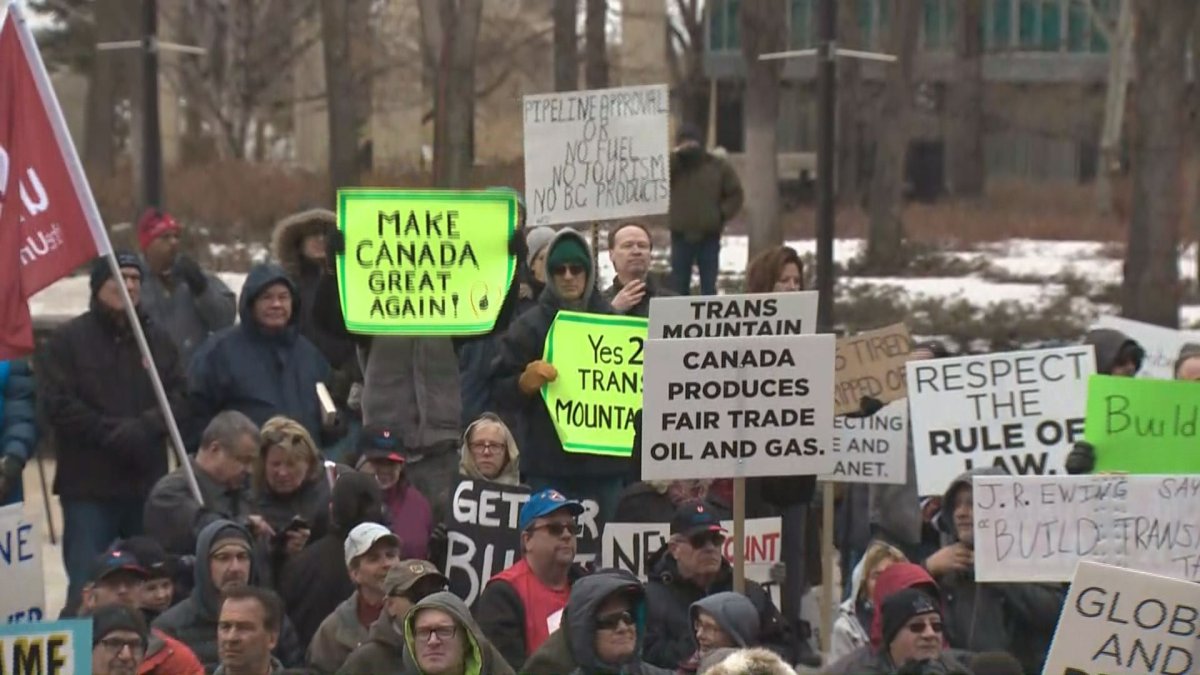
919, 627
569, 268
557, 529
702, 539
614, 620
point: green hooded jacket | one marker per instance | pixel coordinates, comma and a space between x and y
481, 659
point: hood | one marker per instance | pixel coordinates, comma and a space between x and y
590, 287
356, 499
204, 593
455, 607
895, 578
579, 617
945, 518
1108, 344
290, 232
261, 276
510, 474
734, 613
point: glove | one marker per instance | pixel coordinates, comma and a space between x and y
189, 270
1081, 459
335, 245
536, 375
516, 245
439, 545
10, 476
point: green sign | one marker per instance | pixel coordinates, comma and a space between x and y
599, 385
1144, 426
425, 262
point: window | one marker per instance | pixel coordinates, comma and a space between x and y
802, 18
1001, 33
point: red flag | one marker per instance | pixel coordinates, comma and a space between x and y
49, 223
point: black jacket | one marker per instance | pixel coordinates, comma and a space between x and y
653, 290
670, 638
111, 436
174, 518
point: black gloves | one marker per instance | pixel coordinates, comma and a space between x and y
335, 245
191, 274
517, 246
10, 476
1081, 459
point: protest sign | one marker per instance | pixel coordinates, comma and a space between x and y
870, 364
484, 536
597, 155
51, 648
1162, 345
721, 407
1019, 411
1143, 426
1036, 528
425, 262
599, 385
871, 449
24, 595
754, 315
1117, 621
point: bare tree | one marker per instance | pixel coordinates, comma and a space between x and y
685, 59
347, 85
850, 104
885, 233
764, 30
1119, 37
566, 45
596, 54
1151, 286
964, 135
450, 30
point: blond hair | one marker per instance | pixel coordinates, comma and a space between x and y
295, 440
877, 552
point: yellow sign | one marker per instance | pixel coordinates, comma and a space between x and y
427, 262
599, 384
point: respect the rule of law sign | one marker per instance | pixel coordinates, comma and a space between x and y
720, 407
1019, 411
598, 390
425, 262
597, 155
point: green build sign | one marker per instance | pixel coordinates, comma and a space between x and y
1144, 426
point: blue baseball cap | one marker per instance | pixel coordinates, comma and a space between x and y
544, 503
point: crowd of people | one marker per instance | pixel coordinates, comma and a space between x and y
319, 541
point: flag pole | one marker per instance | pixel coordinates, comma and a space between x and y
88, 201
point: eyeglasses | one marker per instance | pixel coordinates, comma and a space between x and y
572, 269
702, 539
919, 627
614, 620
488, 447
557, 529
117, 645
443, 633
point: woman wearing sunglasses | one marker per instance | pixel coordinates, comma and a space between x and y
601, 632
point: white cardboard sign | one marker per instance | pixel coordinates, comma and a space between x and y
722, 407
755, 315
1020, 411
23, 599
1036, 528
1162, 345
1118, 621
597, 155
871, 449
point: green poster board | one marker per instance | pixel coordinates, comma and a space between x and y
599, 385
425, 262
1144, 426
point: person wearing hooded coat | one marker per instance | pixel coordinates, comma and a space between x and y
855, 613
263, 366
481, 659
315, 581
734, 614
1118, 355
519, 373
111, 435
570, 649
194, 620
1018, 618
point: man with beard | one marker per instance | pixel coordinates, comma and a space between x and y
705, 194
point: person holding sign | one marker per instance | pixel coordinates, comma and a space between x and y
629, 248
521, 606
1016, 618
1116, 355
519, 373
705, 195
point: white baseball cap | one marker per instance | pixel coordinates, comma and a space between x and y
363, 537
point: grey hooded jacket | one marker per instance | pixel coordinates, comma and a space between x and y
194, 620
734, 613
482, 659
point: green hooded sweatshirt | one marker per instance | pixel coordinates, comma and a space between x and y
481, 659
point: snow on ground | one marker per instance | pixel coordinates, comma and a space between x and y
1024, 258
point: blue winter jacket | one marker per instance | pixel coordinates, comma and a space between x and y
18, 416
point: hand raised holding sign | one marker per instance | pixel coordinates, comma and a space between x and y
953, 558
537, 374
